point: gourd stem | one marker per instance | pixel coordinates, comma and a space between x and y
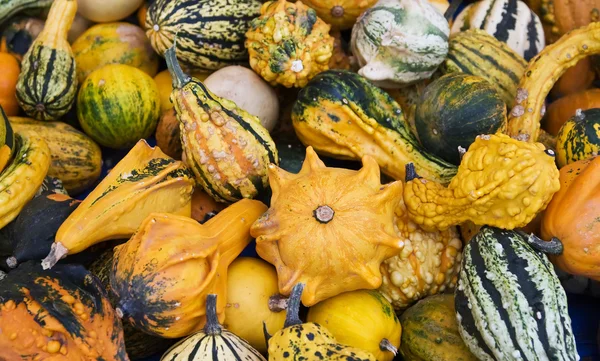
292, 318
411, 173
454, 5
278, 303
323, 214
179, 77
212, 326
386, 345
554, 247
57, 252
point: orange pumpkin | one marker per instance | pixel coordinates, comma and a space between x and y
560, 16
10, 69
578, 78
564, 108
572, 217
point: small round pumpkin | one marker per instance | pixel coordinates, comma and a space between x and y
118, 105
363, 319
104, 11
253, 297
10, 69
579, 137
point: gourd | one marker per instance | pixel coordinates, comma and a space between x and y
227, 148
47, 84
363, 319
430, 332
349, 216
75, 159
288, 44
7, 140
561, 16
340, 14
246, 89
579, 137
168, 135
144, 181
578, 78
114, 43
9, 67
540, 75
476, 52
11, 7
253, 298
213, 342
571, 217
510, 21
308, 341
501, 182
564, 108
104, 11
60, 314
19, 34
399, 42
453, 110
118, 105
509, 303
428, 263
164, 82
163, 293
218, 25
204, 207
342, 115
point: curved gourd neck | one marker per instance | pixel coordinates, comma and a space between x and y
180, 79
212, 326
59, 21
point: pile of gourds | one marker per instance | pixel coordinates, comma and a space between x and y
478, 134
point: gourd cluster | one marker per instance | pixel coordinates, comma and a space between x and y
416, 179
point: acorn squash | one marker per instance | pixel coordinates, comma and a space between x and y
329, 228
579, 137
164, 293
144, 181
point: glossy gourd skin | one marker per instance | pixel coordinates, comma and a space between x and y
563, 109
47, 85
143, 182
61, 314
579, 137
340, 14
163, 293
363, 319
349, 216
288, 44
572, 217
501, 182
227, 148
343, 115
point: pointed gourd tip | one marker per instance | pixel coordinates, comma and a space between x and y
370, 167
57, 252
411, 173
312, 159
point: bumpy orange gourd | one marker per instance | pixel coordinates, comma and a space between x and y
329, 228
572, 217
501, 182
288, 44
163, 274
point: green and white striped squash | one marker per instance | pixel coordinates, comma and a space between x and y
210, 33
509, 302
213, 343
510, 21
399, 42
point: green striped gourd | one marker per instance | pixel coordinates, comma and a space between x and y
579, 137
399, 42
510, 21
476, 52
510, 304
47, 83
210, 34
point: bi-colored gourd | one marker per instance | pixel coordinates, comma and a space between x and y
61, 314
76, 159
509, 302
213, 343
363, 319
572, 218
501, 181
143, 182
163, 293
430, 332
288, 44
349, 216
47, 83
210, 34
399, 42
579, 137
540, 75
476, 52
114, 43
340, 14
308, 341
341, 114
227, 148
